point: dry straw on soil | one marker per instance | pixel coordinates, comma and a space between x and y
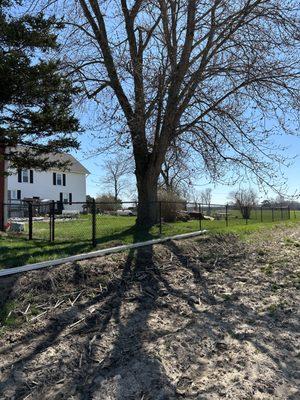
209, 318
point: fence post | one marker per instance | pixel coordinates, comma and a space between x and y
29, 220
94, 242
200, 220
289, 212
160, 219
50, 222
261, 214
272, 214
53, 221
226, 215
2, 212
281, 213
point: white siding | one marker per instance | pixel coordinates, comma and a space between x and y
43, 187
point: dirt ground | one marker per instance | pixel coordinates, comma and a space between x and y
209, 318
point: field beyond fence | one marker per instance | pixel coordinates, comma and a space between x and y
37, 231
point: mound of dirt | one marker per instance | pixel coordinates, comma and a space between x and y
208, 318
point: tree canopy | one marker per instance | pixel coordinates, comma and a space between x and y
217, 76
35, 96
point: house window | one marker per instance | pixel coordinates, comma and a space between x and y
59, 179
14, 194
65, 198
25, 175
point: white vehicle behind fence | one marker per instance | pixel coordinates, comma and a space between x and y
70, 213
125, 213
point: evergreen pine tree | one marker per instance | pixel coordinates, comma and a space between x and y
35, 97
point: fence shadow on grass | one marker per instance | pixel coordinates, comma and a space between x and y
18, 256
21, 253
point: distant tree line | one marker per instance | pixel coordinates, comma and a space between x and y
281, 202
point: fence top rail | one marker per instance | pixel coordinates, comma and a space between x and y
24, 203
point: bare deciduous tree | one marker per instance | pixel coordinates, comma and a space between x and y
176, 172
206, 196
210, 74
116, 170
245, 200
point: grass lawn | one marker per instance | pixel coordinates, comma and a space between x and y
74, 237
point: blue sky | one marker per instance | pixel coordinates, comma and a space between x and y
220, 192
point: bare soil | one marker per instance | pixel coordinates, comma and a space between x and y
209, 318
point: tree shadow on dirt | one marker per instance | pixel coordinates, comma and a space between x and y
122, 367
235, 313
129, 371
139, 271
6, 289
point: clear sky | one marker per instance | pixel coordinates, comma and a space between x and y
220, 192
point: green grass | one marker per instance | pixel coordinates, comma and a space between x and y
7, 318
74, 237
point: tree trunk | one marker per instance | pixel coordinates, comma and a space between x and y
148, 168
2, 187
148, 207
116, 191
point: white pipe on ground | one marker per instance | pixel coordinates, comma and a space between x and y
93, 254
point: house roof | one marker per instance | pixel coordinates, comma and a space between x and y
74, 165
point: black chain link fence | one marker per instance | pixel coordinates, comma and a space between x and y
99, 223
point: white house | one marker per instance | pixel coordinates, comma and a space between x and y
67, 186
